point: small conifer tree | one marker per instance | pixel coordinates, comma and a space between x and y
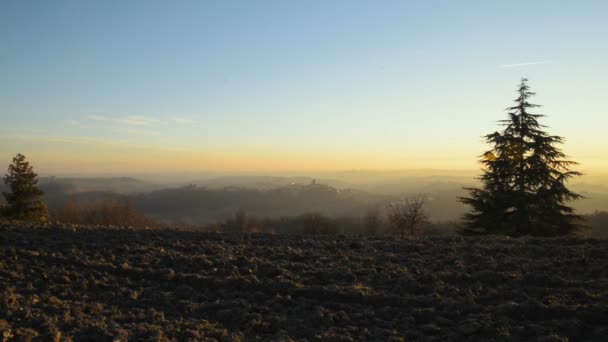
524, 180
24, 198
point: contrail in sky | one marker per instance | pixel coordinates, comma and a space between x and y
515, 65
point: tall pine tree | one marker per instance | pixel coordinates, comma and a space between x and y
524, 180
24, 199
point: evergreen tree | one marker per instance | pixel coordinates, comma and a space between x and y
524, 180
24, 199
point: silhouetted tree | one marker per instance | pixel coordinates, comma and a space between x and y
523, 183
241, 223
407, 216
24, 198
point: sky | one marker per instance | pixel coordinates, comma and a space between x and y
266, 86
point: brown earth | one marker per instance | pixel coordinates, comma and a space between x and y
106, 284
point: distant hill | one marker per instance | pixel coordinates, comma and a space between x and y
194, 204
120, 185
266, 182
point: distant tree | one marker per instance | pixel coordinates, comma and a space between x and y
523, 182
314, 223
24, 200
371, 223
236, 224
407, 216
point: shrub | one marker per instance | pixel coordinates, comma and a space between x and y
407, 216
109, 211
315, 224
236, 224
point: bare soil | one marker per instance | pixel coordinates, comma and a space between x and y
59, 282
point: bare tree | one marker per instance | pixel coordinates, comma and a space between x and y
407, 216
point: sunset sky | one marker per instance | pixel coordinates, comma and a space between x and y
169, 86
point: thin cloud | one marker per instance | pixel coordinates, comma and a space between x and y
97, 118
143, 121
71, 122
137, 120
183, 121
74, 140
136, 131
83, 140
517, 65
130, 120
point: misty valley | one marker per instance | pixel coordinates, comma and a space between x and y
209, 202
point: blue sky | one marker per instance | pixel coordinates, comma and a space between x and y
292, 85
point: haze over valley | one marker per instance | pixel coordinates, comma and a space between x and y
207, 198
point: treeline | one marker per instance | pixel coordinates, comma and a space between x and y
313, 223
108, 211
122, 211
